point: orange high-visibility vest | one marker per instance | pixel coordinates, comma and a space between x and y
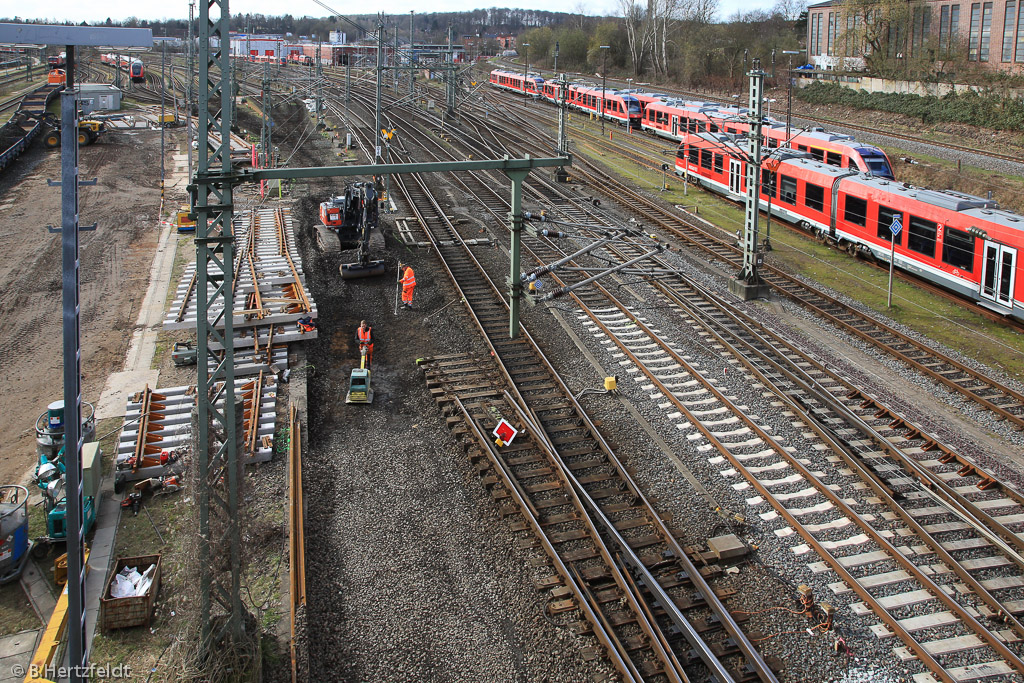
409, 280
364, 336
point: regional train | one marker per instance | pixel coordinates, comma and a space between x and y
134, 66
673, 118
840, 190
964, 243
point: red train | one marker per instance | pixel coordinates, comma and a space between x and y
134, 66
675, 119
964, 243
517, 82
619, 106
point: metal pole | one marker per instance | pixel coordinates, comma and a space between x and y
892, 261
789, 105
555, 67
516, 220
77, 655
190, 68
604, 81
412, 52
217, 460
163, 126
750, 247
380, 84
394, 62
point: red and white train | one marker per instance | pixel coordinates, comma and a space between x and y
136, 70
676, 119
619, 106
516, 82
964, 243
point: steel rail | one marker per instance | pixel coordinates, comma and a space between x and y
993, 640
601, 632
296, 536
802, 293
594, 434
813, 388
753, 657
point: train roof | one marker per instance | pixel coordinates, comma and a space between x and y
825, 136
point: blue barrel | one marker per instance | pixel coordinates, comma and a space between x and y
13, 530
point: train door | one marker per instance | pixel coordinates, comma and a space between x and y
735, 173
675, 125
997, 273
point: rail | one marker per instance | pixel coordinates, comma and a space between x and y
296, 538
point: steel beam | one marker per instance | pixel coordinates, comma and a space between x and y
505, 164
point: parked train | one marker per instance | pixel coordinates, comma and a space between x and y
56, 61
675, 119
964, 243
621, 107
134, 66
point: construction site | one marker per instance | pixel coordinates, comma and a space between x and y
364, 361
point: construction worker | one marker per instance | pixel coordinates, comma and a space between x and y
364, 337
408, 280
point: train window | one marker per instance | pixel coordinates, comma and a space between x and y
714, 127
718, 163
705, 158
856, 211
787, 189
768, 182
773, 143
921, 236
814, 197
691, 126
958, 249
834, 158
818, 153
694, 153
702, 126
885, 216
681, 152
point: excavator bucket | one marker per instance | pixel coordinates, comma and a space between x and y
354, 271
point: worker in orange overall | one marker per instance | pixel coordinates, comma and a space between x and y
408, 284
364, 337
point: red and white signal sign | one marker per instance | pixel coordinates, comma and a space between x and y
504, 433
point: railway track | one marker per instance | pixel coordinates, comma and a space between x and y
1003, 401
613, 557
891, 456
646, 152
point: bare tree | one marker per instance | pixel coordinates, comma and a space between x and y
638, 32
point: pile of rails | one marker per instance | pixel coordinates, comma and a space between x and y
270, 309
272, 306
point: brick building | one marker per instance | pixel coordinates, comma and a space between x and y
992, 32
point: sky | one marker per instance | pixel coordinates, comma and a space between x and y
76, 10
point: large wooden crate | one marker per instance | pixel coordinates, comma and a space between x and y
133, 611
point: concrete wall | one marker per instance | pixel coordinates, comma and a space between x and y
886, 85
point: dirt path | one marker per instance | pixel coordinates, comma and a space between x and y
115, 263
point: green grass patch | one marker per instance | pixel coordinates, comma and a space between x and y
16, 613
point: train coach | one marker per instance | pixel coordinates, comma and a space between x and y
623, 108
678, 119
517, 82
964, 243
